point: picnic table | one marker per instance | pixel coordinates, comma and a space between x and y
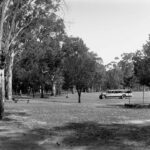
21, 98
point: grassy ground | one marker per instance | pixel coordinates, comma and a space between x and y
58, 123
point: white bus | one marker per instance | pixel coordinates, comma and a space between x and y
117, 93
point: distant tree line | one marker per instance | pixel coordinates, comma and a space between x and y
41, 57
52, 67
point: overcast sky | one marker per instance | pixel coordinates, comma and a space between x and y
109, 27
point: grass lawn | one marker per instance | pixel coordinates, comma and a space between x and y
58, 123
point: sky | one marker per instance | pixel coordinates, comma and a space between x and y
109, 27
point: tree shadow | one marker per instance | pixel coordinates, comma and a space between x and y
95, 136
16, 113
63, 102
8, 116
14, 136
90, 135
30, 140
125, 106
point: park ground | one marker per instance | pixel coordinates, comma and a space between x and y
60, 123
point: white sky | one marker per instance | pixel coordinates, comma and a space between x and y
109, 27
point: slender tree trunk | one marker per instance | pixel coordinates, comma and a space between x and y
42, 91
79, 96
72, 90
2, 93
9, 77
33, 92
67, 94
143, 93
3, 10
1, 70
54, 89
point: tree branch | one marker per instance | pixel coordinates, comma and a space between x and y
9, 40
19, 31
4, 9
26, 4
12, 25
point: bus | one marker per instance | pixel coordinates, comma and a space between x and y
117, 93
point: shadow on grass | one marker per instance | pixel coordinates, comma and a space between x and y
96, 136
13, 138
90, 135
25, 141
126, 106
19, 113
65, 102
8, 118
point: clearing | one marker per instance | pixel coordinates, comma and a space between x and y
58, 123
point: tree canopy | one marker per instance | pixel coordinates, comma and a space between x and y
79, 64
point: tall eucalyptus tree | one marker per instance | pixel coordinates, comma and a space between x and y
18, 18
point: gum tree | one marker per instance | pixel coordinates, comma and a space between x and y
79, 64
17, 18
127, 67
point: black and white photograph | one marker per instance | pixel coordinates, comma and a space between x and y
74, 75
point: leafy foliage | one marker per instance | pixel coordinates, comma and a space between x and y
142, 68
40, 58
127, 67
79, 64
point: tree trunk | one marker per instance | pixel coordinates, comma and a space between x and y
2, 93
42, 91
54, 89
2, 90
143, 93
72, 90
33, 95
9, 77
79, 96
